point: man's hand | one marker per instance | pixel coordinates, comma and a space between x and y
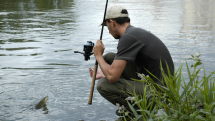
99, 73
98, 49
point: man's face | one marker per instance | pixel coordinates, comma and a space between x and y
112, 28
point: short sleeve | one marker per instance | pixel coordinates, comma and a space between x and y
128, 48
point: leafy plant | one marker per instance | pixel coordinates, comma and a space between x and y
176, 99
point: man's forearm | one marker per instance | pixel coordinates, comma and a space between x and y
112, 72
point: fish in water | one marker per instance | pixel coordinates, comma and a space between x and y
41, 103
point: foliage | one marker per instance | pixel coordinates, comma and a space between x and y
178, 100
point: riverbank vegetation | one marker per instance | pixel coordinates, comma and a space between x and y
179, 100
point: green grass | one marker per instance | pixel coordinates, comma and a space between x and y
178, 100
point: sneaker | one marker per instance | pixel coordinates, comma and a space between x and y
118, 113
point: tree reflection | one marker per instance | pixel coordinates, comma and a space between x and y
38, 5
18, 16
199, 20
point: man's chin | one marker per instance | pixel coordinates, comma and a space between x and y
117, 37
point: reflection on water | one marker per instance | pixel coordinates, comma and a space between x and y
198, 21
38, 39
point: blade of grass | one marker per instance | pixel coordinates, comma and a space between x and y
188, 85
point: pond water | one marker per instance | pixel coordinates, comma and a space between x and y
38, 39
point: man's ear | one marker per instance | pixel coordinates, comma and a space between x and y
112, 22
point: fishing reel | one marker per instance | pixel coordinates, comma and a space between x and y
88, 48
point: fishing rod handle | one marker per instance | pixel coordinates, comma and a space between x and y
93, 83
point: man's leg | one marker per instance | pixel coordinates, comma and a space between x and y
117, 92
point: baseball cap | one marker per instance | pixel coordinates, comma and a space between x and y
115, 11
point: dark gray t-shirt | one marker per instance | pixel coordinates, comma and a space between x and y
146, 50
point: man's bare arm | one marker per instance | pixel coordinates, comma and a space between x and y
112, 72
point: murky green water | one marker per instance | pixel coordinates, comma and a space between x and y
38, 39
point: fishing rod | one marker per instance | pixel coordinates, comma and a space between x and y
96, 63
88, 52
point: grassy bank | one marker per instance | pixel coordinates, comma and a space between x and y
178, 100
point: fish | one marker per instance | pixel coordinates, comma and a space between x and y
42, 103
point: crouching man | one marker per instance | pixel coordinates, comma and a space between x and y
138, 51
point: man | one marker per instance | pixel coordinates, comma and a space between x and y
138, 51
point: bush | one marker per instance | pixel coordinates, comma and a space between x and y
178, 100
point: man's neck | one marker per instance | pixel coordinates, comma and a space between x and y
122, 28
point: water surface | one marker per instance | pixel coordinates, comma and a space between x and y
38, 39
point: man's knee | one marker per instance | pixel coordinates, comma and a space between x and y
109, 57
